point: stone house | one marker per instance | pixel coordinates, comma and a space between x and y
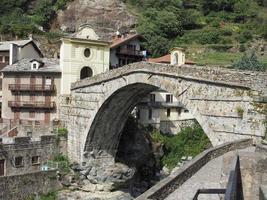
31, 92
21, 155
126, 49
12, 51
163, 111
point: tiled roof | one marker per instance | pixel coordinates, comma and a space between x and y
167, 59
123, 39
24, 65
4, 46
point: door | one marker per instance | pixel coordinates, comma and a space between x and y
2, 167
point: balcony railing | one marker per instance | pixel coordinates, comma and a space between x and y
31, 87
29, 104
130, 52
158, 104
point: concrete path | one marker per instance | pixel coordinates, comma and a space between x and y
212, 175
207, 177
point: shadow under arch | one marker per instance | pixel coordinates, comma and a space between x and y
105, 131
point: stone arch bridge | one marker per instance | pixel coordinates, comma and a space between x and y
228, 104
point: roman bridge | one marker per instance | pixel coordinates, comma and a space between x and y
228, 104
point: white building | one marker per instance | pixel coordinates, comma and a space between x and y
163, 111
82, 55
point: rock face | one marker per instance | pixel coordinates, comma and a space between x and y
105, 16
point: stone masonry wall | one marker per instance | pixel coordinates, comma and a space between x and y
25, 148
20, 187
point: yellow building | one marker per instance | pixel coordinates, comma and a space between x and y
82, 55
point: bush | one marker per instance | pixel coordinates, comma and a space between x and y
63, 163
242, 48
249, 63
189, 142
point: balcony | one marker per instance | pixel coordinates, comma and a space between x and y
130, 52
161, 104
31, 87
29, 104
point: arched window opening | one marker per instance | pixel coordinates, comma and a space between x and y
175, 62
86, 72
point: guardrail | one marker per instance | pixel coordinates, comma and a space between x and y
130, 52
234, 189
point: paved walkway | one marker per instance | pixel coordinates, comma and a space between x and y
207, 177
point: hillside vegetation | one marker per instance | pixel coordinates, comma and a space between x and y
171, 23
21, 17
212, 31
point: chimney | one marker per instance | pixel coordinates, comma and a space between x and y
30, 37
118, 34
13, 54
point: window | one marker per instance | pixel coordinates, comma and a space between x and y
32, 114
48, 81
37, 123
179, 111
150, 114
35, 160
138, 114
2, 167
34, 66
29, 134
7, 59
87, 52
175, 59
168, 112
1, 59
18, 161
152, 97
131, 47
169, 98
86, 72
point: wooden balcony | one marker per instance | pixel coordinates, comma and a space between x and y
31, 87
130, 52
30, 104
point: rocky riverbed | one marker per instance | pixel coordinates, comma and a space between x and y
136, 168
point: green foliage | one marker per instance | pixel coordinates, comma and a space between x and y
189, 142
240, 111
63, 163
62, 132
170, 23
249, 63
242, 48
19, 19
48, 196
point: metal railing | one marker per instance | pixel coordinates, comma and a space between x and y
158, 104
234, 189
130, 52
31, 87
30, 104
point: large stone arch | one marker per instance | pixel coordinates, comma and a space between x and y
96, 102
